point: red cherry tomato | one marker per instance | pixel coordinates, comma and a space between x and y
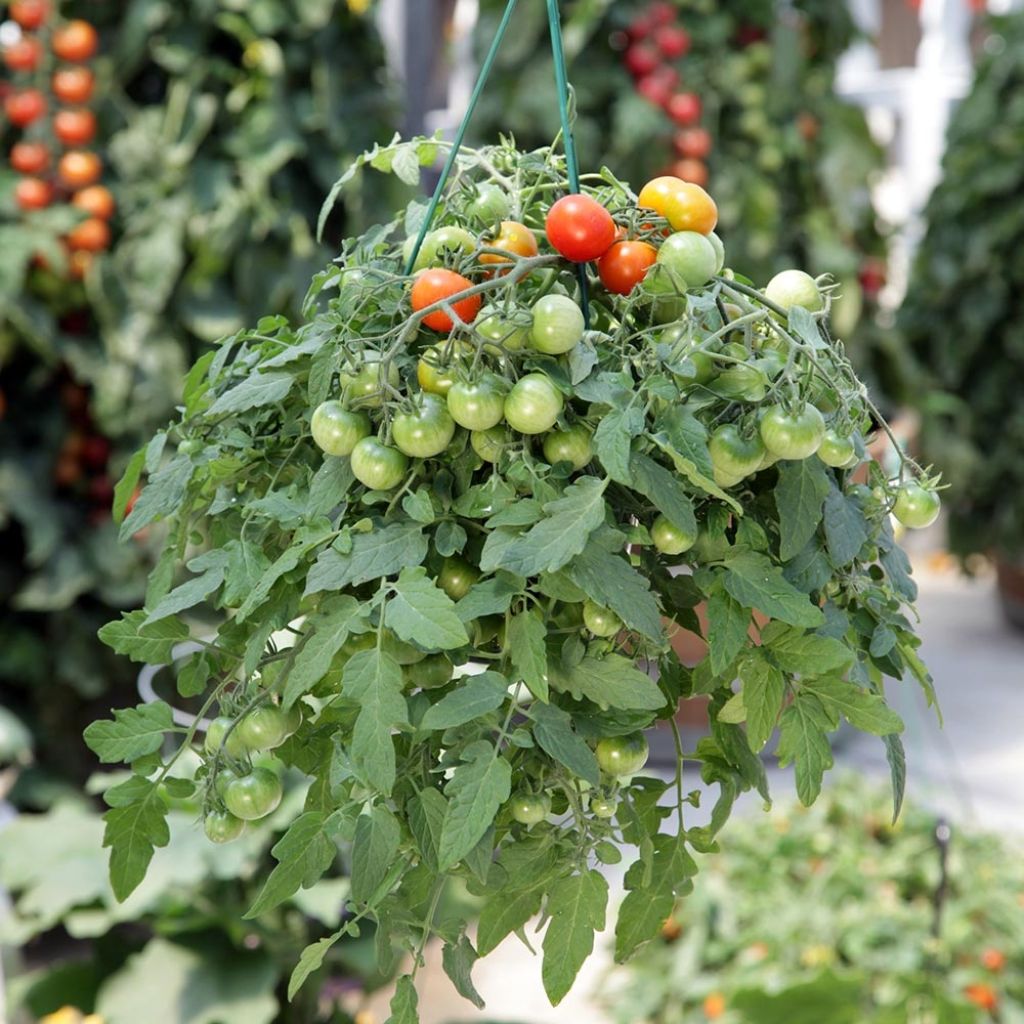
654, 89
24, 54
641, 59
437, 283
96, 201
661, 13
30, 13
580, 228
75, 42
92, 235
73, 85
625, 264
33, 193
672, 40
24, 107
74, 127
79, 168
693, 142
30, 157
684, 108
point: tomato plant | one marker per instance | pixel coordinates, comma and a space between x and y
472, 626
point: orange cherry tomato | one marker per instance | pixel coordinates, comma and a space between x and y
982, 995
693, 171
685, 205
79, 168
625, 264
993, 960
30, 157
436, 283
514, 238
714, 1006
33, 193
24, 107
30, 13
24, 54
73, 85
96, 201
657, 193
92, 235
75, 42
74, 127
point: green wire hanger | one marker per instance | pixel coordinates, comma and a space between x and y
568, 139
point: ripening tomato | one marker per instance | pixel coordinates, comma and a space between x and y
73, 85
684, 108
255, 795
30, 157
533, 404
916, 506
557, 324
91, 235
74, 127
23, 54
33, 193
982, 995
734, 456
479, 404
792, 435
426, 430
96, 201
436, 284
573, 445
457, 576
76, 41
791, 288
693, 142
625, 265
24, 107
29, 13
515, 239
690, 208
79, 168
669, 539
378, 466
336, 430
222, 826
579, 228
599, 620
529, 808
622, 755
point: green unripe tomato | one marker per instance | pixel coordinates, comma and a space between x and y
404, 653
734, 456
716, 244
533, 404
792, 435
363, 386
836, 449
685, 260
916, 506
336, 429
433, 671
794, 288
557, 324
427, 430
491, 205
234, 747
742, 382
377, 466
477, 405
225, 776
222, 827
489, 444
263, 728
599, 620
603, 807
439, 246
572, 445
530, 808
622, 755
456, 577
669, 539
255, 795
496, 327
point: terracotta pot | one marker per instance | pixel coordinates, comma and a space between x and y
1010, 581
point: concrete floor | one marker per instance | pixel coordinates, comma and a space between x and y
972, 769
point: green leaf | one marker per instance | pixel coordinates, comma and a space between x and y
191, 592
132, 832
555, 540
253, 392
303, 854
417, 505
685, 440
133, 733
846, 529
161, 496
728, 622
610, 682
457, 959
756, 583
331, 482
427, 812
641, 915
310, 961
897, 758
806, 654
382, 552
503, 914
329, 627
477, 789
420, 611
799, 497
527, 651
125, 487
612, 440
764, 688
576, 906
803, 741
553, 731
861, 708
472, 698
374, 680
828, 997
376, 842
404, 1003
152, 645
283, 564
663, 489
491, 596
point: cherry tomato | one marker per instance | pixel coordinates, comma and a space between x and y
215, 733
434, 373
79, 168
792, 435
377, 466
656, 88
363, 387
836, 449
433, 671
685, 260
33, 193
96, 201
514, 238
439, 246
92, 235
436, 284
993, 960
263, 728
916, 506
489, 444
657, 193
23, 54
714, 1005
791, 288
625, 265
690, 208
579, 228
336, 429
734, 456
30, 13
694, 143
404, 653
641, 59
222, 826
603, 807
456, 577
669, 539
742, 382
72, 85
255, 795
622, 755
529, 808
693, 172
497, 327
24, 107
533, 404
427, 430
982, 995
716, 244
74, 127
684, 108
76, 41
557, 324
600, 621
30, 157
490, 205
572, 445
672, 40
477, 405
